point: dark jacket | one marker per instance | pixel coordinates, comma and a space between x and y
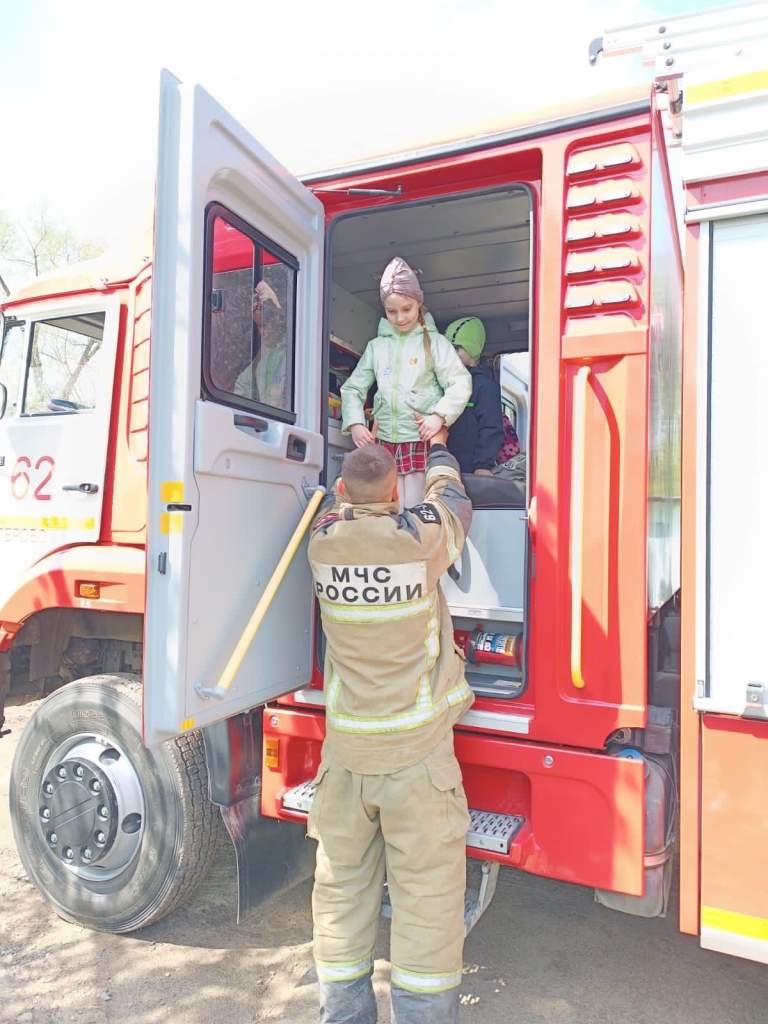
477, 435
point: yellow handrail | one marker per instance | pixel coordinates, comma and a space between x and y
262, 606
577, 519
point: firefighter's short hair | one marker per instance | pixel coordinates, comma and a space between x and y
369, 474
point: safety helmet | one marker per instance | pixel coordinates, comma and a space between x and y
468, 332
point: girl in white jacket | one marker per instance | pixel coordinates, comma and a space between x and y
422, 384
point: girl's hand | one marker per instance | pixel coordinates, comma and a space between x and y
482, 472
429, 426
361, 435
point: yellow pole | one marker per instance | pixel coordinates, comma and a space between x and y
580, 384
262, 606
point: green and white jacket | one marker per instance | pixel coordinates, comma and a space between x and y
398, 364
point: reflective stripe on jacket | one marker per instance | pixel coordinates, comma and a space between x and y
394, 679
397, 364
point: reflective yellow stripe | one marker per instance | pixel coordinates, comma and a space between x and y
46, 523
453, 551
403, 722
416, 981
432, 642
424, 695
457, 694
425, 710
737, 924
375, 613
171, 522
172, 491
333, 692
329, 970
723, 88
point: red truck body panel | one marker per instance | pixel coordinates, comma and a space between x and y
584, 809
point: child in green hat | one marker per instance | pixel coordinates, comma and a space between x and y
478, 434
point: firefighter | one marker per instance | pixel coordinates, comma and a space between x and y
389, 799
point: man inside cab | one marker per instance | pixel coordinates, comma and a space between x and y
389, 800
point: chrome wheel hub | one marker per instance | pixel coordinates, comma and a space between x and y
91, 807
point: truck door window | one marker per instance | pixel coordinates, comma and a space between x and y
62, 372
12, 358
248, 352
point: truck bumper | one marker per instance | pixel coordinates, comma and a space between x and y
583, 812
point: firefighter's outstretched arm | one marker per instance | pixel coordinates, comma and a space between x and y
445, 490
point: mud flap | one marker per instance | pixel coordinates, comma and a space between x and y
272, 856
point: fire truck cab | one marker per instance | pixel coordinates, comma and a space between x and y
149, 489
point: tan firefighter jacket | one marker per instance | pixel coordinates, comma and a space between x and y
394, 680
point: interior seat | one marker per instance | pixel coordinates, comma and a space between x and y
494, 492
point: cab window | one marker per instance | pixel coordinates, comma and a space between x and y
12, 358
248, 351
62, 370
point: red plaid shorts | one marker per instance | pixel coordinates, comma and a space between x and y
410, 456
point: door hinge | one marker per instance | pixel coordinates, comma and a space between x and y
162, 563
756, 700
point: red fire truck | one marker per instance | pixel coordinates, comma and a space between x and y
149, 503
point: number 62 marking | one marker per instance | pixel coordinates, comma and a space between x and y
21, 480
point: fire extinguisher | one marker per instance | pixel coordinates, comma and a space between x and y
481, 647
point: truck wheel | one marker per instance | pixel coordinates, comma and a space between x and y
114, 835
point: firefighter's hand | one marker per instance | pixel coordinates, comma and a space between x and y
441, 437
361, 435
430, 426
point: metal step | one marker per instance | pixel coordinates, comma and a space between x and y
300, 797
490, 831
487, 830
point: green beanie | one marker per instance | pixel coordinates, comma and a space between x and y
467, 333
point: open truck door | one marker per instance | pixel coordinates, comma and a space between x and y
235, 394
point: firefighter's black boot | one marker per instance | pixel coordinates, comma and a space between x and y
418, 1008
348, 1002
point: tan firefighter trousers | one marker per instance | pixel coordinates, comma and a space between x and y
408, 826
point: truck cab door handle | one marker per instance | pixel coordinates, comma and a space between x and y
82, 488
255, 423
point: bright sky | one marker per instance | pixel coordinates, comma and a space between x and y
318, 83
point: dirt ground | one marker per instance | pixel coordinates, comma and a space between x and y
544, 952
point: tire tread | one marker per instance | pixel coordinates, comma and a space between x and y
185, 757
200, 815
